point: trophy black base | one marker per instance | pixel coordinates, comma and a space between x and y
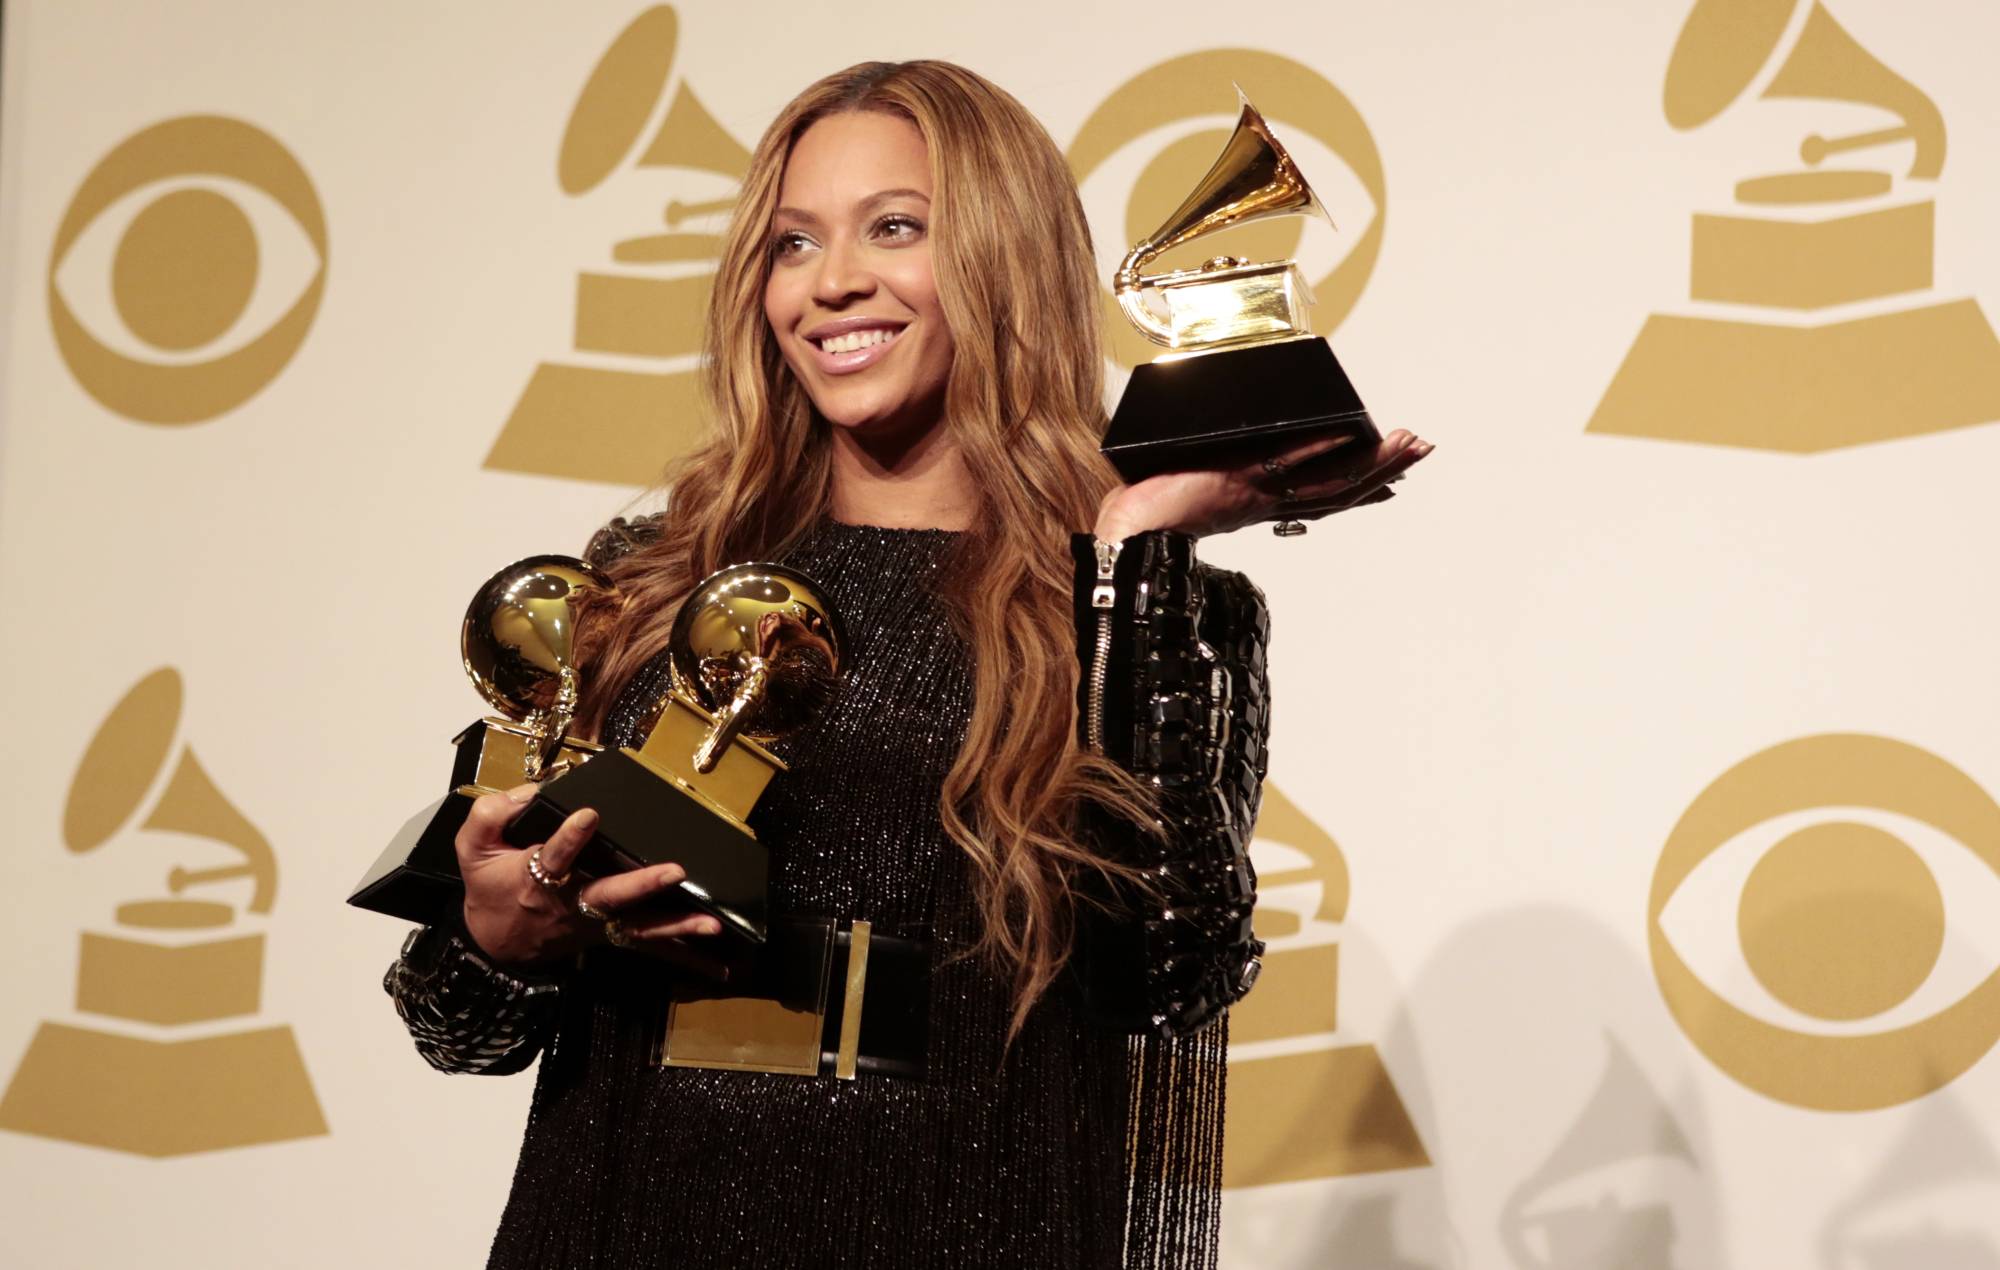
1231, 407
646, 819
417, 878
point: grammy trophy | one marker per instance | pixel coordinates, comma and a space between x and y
1244, 369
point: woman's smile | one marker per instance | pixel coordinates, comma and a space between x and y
847, 345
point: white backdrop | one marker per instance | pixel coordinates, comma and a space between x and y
1498, 695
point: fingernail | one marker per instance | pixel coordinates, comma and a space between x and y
583, 820
672, 875
523, 793
711, 928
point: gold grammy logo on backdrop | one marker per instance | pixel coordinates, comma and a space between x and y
630, 400
1323, 1112
181, 1075
198, 269
1788, 363
1854, 990
1197, 85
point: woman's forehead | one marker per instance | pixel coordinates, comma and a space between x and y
845, 159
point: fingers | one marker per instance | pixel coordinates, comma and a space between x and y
1326, 476
559, 853
624, 890
1353, 487
1328, 506
1353, 466
1280, 465
632, 900
679, 926
480, 836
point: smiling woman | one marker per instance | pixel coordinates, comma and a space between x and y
1028, 802
851, 275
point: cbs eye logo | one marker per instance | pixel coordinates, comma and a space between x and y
187, 270
1860, 966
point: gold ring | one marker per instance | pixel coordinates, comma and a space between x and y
585, 909
614, 931
1273, 466
542, 875
1288, 528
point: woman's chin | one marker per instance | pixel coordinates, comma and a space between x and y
868, 421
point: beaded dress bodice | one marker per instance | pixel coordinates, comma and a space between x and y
998, 1156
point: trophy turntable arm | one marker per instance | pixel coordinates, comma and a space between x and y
1182, 703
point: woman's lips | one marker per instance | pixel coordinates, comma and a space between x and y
856, 359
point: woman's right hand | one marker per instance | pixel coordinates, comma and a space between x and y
519, 922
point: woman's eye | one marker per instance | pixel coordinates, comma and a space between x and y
789, 244
899, 226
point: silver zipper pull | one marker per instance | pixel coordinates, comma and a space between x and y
1104, 595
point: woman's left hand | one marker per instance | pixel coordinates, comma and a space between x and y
1303, 482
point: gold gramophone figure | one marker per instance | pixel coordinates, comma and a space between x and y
639, 323
163, 1068
518, 645
1227, 300
1244, 371
755, 651
1808, 348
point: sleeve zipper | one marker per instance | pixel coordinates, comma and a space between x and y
1103, 597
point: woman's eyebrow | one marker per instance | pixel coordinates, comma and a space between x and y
884, 196
873, 200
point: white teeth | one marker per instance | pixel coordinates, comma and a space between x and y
856, 340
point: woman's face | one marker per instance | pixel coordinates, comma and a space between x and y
851, 298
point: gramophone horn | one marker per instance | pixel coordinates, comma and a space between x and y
1725, 43
1252, 179
121, 763
191, 804
690, 137
611, 113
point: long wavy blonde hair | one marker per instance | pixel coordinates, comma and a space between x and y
1015, 274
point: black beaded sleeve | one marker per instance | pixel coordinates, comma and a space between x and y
464, 1013
1174, 688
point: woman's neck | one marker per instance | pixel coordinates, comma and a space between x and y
916, 482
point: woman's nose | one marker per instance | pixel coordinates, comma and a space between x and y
843, 276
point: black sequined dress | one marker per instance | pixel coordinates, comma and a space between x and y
1014, 1157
